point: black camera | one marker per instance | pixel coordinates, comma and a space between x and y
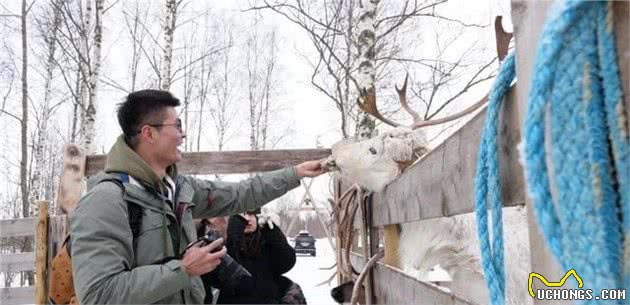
229, 272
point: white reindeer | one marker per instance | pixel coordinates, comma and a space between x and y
447, 243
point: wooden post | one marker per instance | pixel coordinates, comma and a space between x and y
621, 21
41, 255
391, 242
71, 184
367, 245
528, 19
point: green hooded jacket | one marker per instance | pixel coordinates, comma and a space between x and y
109, 269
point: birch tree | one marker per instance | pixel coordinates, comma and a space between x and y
367, 66
261, 66
89, 129
81, 43
48, 30
399, 29
135, 20
222, 110
168, 29
24, 119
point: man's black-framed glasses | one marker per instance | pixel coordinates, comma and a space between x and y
177, 124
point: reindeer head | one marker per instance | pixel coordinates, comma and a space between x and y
376, 162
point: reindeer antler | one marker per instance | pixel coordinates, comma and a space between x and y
402, 97
367, 103
367, 100
452, 117
502, 38
370, 107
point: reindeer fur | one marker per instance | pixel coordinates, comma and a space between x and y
452, 243
376, 162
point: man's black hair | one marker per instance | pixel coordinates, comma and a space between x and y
143, 107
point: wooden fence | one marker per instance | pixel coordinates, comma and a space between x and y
49, 233
441, 184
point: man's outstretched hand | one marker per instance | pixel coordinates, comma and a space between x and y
310, 169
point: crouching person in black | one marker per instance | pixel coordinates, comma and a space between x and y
264, 251
229, 277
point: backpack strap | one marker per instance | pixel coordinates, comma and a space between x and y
134, 210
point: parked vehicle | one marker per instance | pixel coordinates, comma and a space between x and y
305, 243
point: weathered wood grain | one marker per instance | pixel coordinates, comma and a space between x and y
229, 162
442, 182
528, 18
392, 286
71, 184
17, 227
14, 262
41, 248
24, 226
17, 295
621, 19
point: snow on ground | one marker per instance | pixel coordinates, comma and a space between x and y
307, 274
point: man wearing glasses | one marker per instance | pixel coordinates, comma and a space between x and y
112, 264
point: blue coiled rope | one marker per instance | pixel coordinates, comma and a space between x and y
488, 188
576, 95
576, 108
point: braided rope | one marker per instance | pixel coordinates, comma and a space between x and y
488, 188
576, 98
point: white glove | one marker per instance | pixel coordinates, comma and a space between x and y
266, 218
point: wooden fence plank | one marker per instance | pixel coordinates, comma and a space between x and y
392, 286
14, 262
57, 232
621, 11
17, 227
528, 18
442, 182
229, 162
41, 254
17, 295
25, 226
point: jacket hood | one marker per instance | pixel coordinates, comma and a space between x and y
121, 158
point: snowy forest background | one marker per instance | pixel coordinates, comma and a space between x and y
251, 75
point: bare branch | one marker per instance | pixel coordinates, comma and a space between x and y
11, 115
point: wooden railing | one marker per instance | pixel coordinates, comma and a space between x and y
49, 233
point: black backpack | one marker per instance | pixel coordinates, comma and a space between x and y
61, 288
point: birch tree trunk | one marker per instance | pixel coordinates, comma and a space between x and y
27, 241
91, 109
37, 186
223, 113
252, 86
269, 86
24, 121
84, 60
170, 14
367, 66
345, 97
